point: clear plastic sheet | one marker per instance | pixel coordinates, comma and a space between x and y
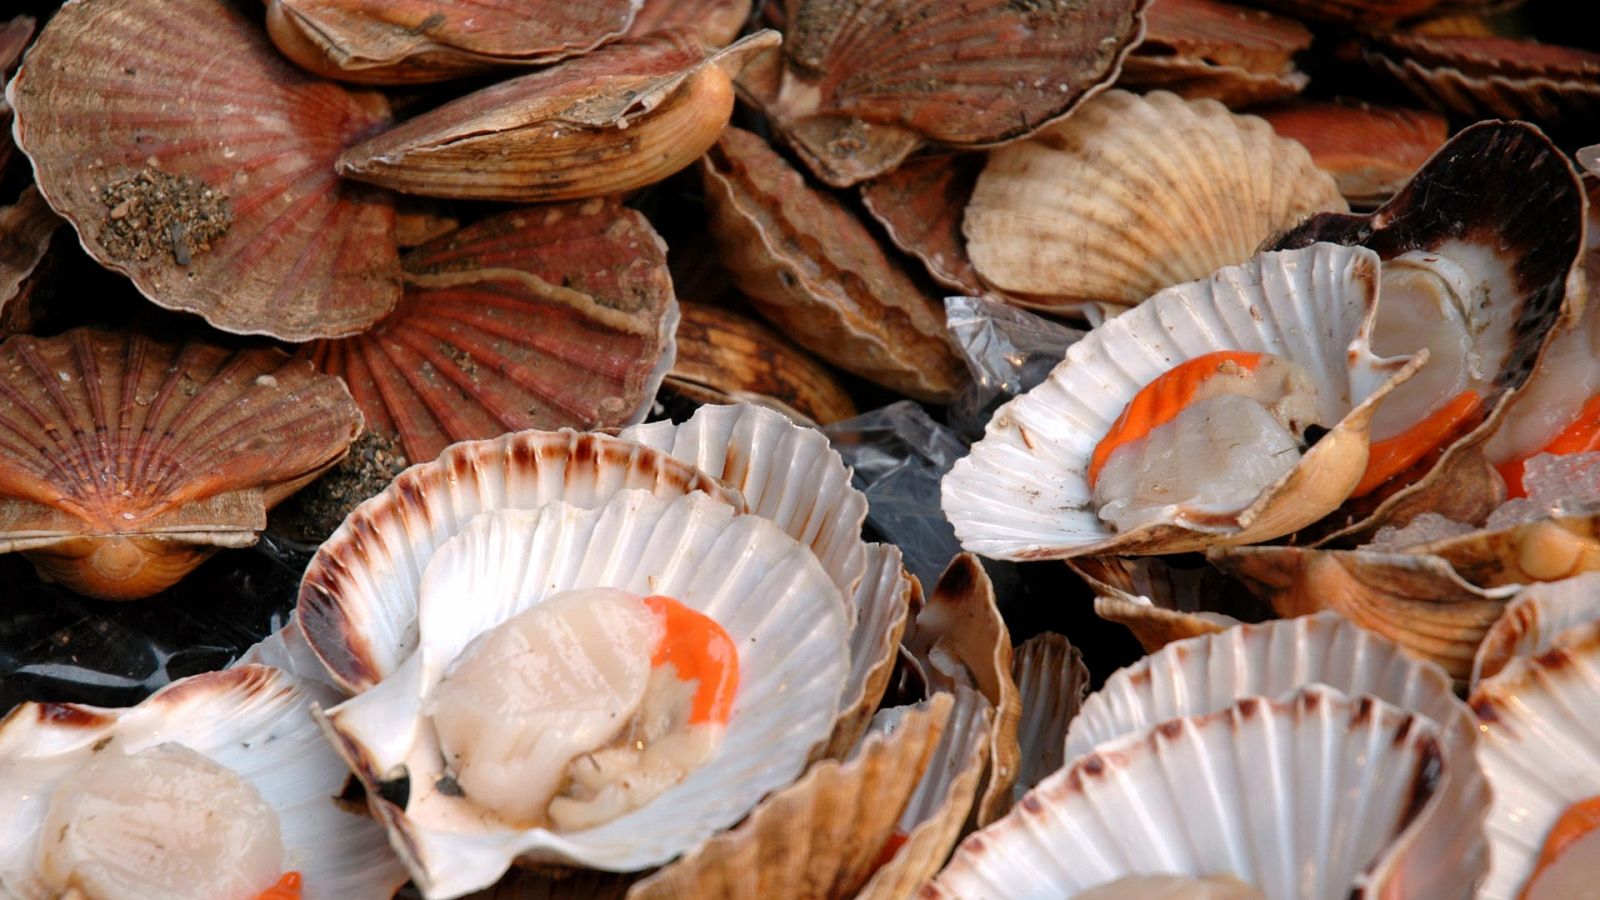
1008, 351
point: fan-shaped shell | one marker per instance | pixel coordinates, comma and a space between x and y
358, 598
714, 22
126, 462
1213, 672
1023, 492
413, 41
1535, 620
252, 719
187, 105
1352, 779
552, 317
1371, 151
1204, 48
1482, 77
1132, 194
767, 591
1051, 682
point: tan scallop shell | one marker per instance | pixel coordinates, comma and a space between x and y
127, 462
1133, 194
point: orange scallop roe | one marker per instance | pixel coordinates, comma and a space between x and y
1391, 456
1579, 819
699, 651
287, 888
1160, 401
1582, 436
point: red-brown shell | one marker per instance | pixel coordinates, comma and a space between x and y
1371, 151
715, 22
14, 37
1484, 77
1209, 49
26, 228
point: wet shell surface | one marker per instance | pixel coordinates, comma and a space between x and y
417, 41
1535, 620
216, 196
559, 316
1102, 207
253, 720
1024, 491
715, 22
358, 598
127, 461
787, 619
1351, 779
813, 268
624, 116
1371, 151
1203, 48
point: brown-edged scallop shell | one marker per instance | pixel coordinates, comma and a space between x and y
1205, 48
1052, 681
1539, 617
547, 317
1133, 194
626, 115
1494, 225
1371, 151
810, 265
1161, 601
864, 84
127, 462
410, 41
726, 357
26, 228
192, 158
14, 37
715, 22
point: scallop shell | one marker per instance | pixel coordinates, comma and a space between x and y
1549, 549
1052, 682
1535, 620
1023, 492
1352, 782
768, 591
1102, 206
412, 41
306, 255
1160, 602
26, 228
1365, 13
810, 265
1371, 151
1213, 672
362, 584
1204, 48
725, 357
920, 205
14, 36
1482, 77
865, 84
126, 462
715, 22
559, 316
254, 720
1195, 79
626, 115
1539, 750
823, 835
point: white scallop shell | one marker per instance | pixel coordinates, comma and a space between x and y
767, 591
1204, 674
254, 720
1023, 492
1535, 620
1299, 797
1540, 748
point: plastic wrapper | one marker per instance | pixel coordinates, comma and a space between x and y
1008, 351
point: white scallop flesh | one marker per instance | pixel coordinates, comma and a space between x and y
1173, 887
1422, 302
165, 823
526, 698
1574, 875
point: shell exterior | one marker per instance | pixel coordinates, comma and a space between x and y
122, 460
1204, 48
1351, 778
358, 598
822, 835
417, 41
725, 357
862, 86
1371, 151
307, 255
559, 316
1159, 602
254, 720
626, 115
1209, 673
767, 591
812, 267
1052, 682
1023, 492
1195, 79
1559, 103
1352, 12
1539, 749
14, 36
1473, 205
1535, 621
920, 204
715, 22
1101, 206
26, 228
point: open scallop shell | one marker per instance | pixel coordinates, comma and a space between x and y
766, 590
1371, 151
1161, 602
626, 115
26, 229
810, 265
1352, 783
1535, 620
1213, 672
1547, 549
1540, 750
552, 317
866, 83
413, 41
1204, 48
1103, 206
190, 94
1023, 492
1052, 682
254, 720
358, 598
715, 22
126, 462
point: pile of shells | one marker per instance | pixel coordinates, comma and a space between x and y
535, 343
